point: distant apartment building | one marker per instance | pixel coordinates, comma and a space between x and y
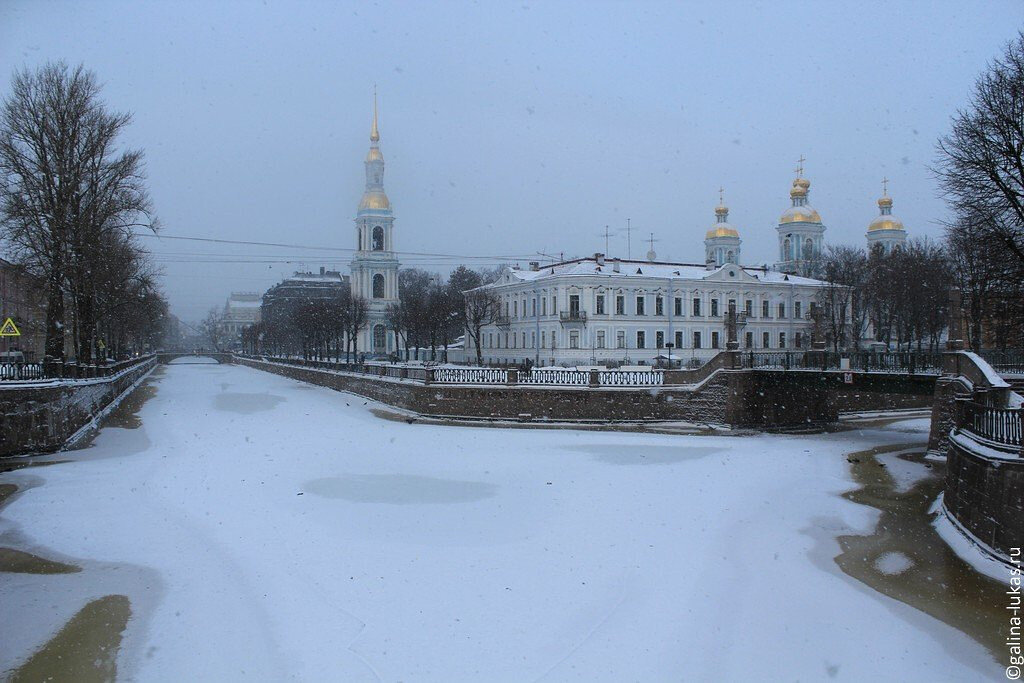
241, 310
21, 300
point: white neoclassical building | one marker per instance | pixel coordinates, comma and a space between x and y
599, 311
374, 266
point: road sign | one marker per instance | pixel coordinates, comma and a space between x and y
848, 377
101, 344
9, 329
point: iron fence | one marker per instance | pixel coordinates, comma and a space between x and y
556, 377
1005, 360
863, 361
997, 425
21, 371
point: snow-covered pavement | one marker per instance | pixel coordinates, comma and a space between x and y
267, 529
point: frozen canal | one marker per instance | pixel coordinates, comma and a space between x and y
248, 526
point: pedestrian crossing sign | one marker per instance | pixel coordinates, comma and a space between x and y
9, 329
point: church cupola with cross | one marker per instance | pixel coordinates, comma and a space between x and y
722, 241
374, 266
801, 232
886, 232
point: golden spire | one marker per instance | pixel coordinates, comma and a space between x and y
374, 134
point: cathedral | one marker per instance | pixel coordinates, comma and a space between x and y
374, 266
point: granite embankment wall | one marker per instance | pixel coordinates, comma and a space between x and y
985, 493
741, 398
39, 417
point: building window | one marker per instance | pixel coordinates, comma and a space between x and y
533, 307
640, 305
641, 340
677, 307
574, 340
696, 340
544, 306
798, 340
812, 309
782, 340
533, 340
378, 238
659, 340
696, 306
765, 310
620, 340
620, 305
766, 340
574, 305
782, 310
599, 343
679, 339
600, 304
748, 340
714, 308
731, 306
378, 286
380, 336
798, 309
554, 304
659, 305
515, 309
523, 337
714, 340
749, 307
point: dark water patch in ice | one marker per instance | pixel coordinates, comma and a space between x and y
16, 561
906, 559
126, 414
646, 454
246, 404
85, 649
400, 489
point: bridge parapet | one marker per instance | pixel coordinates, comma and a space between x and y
165, 357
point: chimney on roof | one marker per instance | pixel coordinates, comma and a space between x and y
599, 257
321, 271
534, 265
615, 265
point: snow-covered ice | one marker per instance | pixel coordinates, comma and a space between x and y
268, 529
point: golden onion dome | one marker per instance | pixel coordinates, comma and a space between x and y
375, 199
802, 182
885, 223
721, 230
885, 202
800, 214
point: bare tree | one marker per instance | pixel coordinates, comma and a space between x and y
358, 313
981, 161
65, 188
482, 308
212, 329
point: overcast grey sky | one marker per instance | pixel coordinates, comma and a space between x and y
513, 128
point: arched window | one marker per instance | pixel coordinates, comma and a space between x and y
787, 250
378, 238
379, 337
378, 286
730, 258
808, 248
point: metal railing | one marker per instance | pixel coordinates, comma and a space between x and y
12, 372
564, 377
21, 371
556, 377
1007, 360
862, 361
1000, 426
573, 316
631, 378
470, 375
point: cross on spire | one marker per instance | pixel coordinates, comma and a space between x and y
800, 168
721, 195
885, 187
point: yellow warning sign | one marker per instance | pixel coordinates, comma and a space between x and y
101, 344
9, 329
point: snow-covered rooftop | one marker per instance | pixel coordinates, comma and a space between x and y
590, 267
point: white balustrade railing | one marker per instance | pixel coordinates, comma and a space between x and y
556, 377
631, 378
470, 376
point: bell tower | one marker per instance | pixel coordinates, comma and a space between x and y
374, 266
